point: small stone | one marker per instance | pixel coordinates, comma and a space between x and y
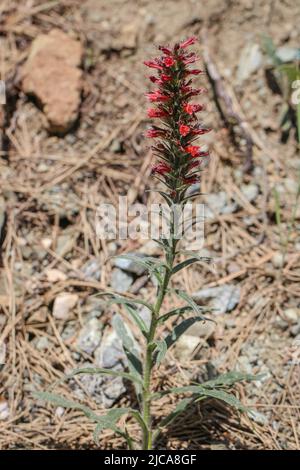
4, 410
63, 304
51, 73
129, 265
110, 352
277, 260
42, 343
258, 417
90, 336
120, 281
222, 298
65, 244
2, 353
185, 346
250, 191
59, 412
203, 329
295, 330
250, 61
92, 270
218, 203
151, 248
292, 315
288, 54
54, 275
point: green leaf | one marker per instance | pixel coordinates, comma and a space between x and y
229, 379
199, 393
183, 295
120, 299
166, 343
224, 396
109, 421
177, 311
98, 371
130, 349
134, 314
187, 262
57, 400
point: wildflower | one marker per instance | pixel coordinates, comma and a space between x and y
157, 96
192, 108
184, 129
153, 64
161, 168
193, 150
176, 156
168, 61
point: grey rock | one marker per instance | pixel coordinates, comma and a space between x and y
250, 191
110, 353
204, 329
42, 343
65, 244
222, 298
145, 315
295, 330
90, 336
258, 417
277, 260
292, 315
218, 203
120, 281
112, 390
288, 54
91, 270
250, 61
4, 411
69, 331
129, 265
185, 346
244, 365
63, 305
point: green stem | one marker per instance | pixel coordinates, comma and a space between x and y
148, 364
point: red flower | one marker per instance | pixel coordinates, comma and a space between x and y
165, 78
157, 95
168, 61
184, 129
193, 150
161, 168
188, 42
165, 50
191, 180
156, 113
192, 108
201, 131
153, 64
154, 133
194, 72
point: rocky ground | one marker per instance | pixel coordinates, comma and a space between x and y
72, 137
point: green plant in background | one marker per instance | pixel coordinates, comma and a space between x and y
178, 166
287, 74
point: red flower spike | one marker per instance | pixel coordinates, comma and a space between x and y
184, 129
175, 148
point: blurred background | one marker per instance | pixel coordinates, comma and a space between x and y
72, 117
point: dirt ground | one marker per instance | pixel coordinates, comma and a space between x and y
51, 185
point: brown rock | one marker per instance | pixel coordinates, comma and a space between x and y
52, 75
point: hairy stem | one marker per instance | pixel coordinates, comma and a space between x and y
148, 364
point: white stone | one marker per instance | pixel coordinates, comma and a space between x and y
63, 304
